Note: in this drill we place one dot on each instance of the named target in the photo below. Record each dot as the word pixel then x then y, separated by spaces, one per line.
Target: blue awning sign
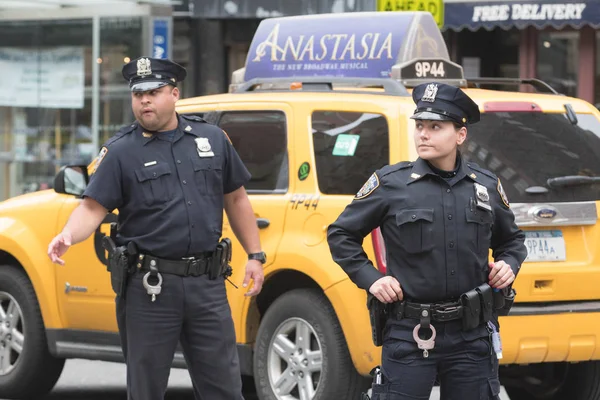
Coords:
pixel 541 14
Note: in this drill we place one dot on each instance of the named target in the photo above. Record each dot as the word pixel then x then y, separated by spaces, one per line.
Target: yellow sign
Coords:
pixel 435 7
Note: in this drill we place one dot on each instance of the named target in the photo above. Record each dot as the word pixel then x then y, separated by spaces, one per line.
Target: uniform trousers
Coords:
pixel 462 362
pixel 193 311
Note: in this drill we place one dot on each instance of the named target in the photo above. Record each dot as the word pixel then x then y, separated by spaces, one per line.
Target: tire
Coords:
pixel 324 357
pixel 31 372
pixel 580 383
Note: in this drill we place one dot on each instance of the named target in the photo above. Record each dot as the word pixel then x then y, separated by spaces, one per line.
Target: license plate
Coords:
pixel 545 246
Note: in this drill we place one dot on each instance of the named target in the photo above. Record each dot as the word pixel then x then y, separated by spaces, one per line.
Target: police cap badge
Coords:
pixel 442 102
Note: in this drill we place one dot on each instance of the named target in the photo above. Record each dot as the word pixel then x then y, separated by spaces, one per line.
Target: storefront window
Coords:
pixel 46 114
pixel 120 42
pixel 46 96
pixel 487 54
pixel 558 58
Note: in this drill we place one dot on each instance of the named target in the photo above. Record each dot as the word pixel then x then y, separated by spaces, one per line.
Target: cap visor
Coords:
pixel 145 86
pixel 430 116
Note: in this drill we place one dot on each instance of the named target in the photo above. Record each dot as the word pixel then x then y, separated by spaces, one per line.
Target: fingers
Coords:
pixel 494 268
pixel 53 251
pixel 257 286
pixel 506 280
pixel 387 290
pixel 247 277
pixel 503 278
pixel 396 286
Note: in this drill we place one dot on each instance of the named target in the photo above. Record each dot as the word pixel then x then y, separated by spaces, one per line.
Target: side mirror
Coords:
pixel 71 179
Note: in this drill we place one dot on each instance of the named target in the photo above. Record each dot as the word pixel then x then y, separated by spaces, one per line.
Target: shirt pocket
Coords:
pixel 154 182
pixel 479 223
pixel 416 231
pixel 208 174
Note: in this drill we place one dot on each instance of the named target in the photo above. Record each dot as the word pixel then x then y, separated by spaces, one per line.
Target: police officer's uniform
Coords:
pixel 168 188
pixel 438 227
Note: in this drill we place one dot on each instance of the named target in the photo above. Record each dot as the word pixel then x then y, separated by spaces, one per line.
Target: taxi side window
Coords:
pixel 260 138
pixel 349 147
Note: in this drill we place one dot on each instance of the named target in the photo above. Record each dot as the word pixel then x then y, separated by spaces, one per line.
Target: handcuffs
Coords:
pixel 152 290
pixel 425 344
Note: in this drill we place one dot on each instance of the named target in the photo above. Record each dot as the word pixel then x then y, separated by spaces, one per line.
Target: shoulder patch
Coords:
pixel 502 194
pixel 191 117
pixel 369 187
pixel 99 158
pixel 227 136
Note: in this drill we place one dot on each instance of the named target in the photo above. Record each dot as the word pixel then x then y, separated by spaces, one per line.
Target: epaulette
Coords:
pixel 485 172
pixel 191 117
pixel 388 169
pixel 120 133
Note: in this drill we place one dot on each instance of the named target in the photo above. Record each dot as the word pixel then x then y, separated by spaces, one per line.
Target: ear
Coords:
pixel 175 93
pixel 461 135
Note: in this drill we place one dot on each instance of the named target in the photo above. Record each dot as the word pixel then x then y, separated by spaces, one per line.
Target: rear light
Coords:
pixel 511 106
pixel 379 248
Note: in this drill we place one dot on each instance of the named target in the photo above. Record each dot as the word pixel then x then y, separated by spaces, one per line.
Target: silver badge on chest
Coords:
pixel 483 197
pixel 203 147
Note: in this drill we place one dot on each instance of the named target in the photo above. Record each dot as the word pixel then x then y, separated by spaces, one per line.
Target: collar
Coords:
pixel 183 126
pixel 422 168
pixel 187 127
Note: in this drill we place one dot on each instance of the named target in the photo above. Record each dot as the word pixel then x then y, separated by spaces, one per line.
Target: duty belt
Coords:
pixel 441 312
pixel 191 266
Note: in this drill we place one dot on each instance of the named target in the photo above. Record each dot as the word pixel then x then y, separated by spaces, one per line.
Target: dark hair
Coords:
pixel 457 126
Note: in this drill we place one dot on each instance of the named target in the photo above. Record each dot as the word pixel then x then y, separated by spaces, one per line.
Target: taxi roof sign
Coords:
pixel 406 46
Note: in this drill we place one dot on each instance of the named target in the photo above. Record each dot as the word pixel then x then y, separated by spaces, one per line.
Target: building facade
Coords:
pixel 64 95
pixel 552 40
pixel 62 92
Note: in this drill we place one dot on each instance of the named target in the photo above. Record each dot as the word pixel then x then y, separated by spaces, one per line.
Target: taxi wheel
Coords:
pixel 27 370
pixel 301 352
pixel 578 382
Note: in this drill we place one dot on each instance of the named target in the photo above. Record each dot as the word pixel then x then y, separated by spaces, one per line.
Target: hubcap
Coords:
pixel 11 333
pixel 295 361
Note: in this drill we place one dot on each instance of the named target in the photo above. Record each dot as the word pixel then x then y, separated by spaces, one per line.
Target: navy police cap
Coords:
pixel 147 73
pixel 442 102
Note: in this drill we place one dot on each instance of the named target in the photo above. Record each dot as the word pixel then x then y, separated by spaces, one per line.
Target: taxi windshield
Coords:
pixel 526 149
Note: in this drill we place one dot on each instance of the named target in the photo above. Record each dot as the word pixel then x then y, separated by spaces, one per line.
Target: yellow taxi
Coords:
pixel 323 101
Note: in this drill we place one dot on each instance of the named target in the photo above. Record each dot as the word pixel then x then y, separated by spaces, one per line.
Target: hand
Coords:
pixel 387 289
pixel 59 246
pixel 501 275
pixel 254 271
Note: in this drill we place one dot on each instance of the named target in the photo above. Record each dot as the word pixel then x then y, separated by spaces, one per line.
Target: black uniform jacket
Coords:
pixel 437 231
pixel 169 191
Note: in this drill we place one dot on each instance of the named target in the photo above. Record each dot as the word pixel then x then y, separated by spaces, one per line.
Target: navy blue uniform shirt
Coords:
pixel 437 231
pixel 168 191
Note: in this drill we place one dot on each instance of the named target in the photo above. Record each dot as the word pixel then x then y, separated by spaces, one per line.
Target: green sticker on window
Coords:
pixel 345 145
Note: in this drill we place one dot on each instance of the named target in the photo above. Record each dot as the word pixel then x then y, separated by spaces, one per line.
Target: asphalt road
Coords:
pixel 95 380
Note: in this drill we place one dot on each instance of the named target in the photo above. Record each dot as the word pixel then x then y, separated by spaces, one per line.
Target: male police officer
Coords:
pixel 439 216
pixel 170 176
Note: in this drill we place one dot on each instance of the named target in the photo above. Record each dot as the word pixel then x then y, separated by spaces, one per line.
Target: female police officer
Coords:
pixel 439 216
pixel 170 176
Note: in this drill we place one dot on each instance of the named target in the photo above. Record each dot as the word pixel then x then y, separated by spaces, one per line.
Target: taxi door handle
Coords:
pixel 262 223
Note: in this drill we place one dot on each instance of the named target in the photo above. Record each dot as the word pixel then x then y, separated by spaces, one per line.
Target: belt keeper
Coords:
pixel 400 310
pixel 153 269
pixel 425 316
